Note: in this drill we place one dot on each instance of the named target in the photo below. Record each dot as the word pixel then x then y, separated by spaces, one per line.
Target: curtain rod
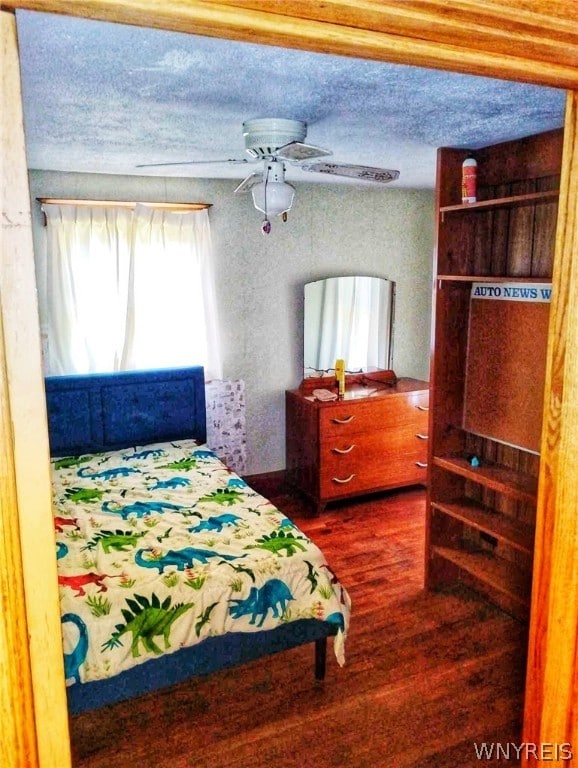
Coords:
pixel 125 204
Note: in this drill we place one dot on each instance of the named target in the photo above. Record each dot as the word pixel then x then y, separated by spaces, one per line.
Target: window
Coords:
pixel 129 289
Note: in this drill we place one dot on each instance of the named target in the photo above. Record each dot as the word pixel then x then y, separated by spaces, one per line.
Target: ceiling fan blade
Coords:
pixel 231 161
pixel 248 182
pixel 362 172
pixel 297 151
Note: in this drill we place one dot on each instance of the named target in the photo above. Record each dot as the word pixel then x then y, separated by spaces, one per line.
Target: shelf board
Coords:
pixel 497 574
pixel 496 477
pixel 502 202
pixel 493 279
pixel 516 534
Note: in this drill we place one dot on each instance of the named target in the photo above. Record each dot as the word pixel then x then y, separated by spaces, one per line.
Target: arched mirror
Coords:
pixel 349 318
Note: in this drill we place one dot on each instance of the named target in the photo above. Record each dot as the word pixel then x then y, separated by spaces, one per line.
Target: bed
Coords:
pixel 169 564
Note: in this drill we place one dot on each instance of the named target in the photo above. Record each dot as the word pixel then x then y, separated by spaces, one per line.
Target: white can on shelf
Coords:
pixel 469 180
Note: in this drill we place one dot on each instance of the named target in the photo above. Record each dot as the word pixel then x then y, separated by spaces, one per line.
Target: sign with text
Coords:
pixel 506 361
pixel 539 292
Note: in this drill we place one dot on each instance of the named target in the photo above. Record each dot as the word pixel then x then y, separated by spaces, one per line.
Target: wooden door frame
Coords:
pixel 534 42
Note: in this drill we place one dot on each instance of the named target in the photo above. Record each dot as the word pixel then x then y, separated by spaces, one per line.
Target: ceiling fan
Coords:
pixel 275 142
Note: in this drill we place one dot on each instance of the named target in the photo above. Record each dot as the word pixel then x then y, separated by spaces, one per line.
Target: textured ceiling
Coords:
pixel 104 98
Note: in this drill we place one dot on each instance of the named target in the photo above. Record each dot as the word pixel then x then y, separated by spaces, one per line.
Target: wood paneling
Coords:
pixel 16 713
pixel 528 158
pixel 551 710
pixel 495 39
pixel 505 371
pixel 483 26
pixel 26 442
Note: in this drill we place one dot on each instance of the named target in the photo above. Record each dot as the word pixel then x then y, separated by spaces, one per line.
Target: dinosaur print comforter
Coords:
pixel 162 546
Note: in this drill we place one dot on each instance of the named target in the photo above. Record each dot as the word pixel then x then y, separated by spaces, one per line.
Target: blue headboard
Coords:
pixel 99 412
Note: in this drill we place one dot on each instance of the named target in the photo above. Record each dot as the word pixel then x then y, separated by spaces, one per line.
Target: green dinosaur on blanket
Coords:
pixel 71 461
pixel 278 541
pixel 180 464
pixel 147 620
pixel 204 618
pixel 119 541
pixel 223 496
pixel 83 495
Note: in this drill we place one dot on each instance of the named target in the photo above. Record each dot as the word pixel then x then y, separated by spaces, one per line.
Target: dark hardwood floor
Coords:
pixel 427 678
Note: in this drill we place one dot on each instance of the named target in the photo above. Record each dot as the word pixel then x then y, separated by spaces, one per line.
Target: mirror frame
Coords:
pixel 310 371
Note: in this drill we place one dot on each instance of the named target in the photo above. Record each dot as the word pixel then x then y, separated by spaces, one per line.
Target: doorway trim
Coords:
pixel 488 37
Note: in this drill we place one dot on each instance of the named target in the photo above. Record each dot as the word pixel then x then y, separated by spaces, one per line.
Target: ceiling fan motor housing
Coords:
pixel 263 136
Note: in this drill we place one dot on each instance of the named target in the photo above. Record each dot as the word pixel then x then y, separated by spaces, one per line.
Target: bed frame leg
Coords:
pixel 320 657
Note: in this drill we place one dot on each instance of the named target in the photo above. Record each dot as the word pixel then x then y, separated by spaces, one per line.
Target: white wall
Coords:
pixel 332 230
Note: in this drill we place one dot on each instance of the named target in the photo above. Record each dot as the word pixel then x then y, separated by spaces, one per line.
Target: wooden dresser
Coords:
pixel 372 439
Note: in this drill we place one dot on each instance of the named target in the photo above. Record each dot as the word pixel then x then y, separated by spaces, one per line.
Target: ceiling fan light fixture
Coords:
pixel 273 197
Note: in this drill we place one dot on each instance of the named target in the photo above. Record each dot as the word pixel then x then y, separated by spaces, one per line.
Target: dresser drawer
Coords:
pixel 371 447
pixel 372 460
pixel 403 469
pixel 400 411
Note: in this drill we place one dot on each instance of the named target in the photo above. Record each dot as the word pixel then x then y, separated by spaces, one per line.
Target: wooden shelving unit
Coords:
pixel 508 481
pixel 491 575
pixel 490 279
pixel 482 487
pixel 514 533
pixel 503 202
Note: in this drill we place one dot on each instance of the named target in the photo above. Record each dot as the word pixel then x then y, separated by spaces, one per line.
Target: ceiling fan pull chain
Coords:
pixel 266 225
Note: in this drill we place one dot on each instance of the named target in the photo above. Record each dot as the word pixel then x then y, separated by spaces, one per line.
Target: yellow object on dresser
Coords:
pixel 340 376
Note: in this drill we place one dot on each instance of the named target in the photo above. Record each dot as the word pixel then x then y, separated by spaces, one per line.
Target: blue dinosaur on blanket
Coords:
pixel 140 508
pixel 74 660
pixel 215 523
pixel 139 455
pixel 273 595
pixel 170 484
pixel 107 474
pixel 181 558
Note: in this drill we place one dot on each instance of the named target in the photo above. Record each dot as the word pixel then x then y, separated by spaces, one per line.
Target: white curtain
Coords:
pixel 129 290
pixel 348 318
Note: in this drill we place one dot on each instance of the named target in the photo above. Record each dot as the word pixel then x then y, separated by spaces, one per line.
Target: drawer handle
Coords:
pixel 344 450
pixel 422 407
pixel 344 480
pixel 422 437
pixel 346 420
pixel 422 464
